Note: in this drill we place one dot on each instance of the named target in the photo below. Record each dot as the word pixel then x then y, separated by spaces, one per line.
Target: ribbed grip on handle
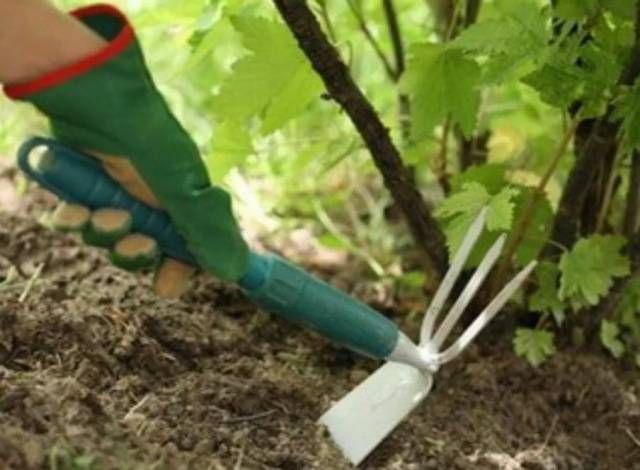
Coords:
pixel 300 297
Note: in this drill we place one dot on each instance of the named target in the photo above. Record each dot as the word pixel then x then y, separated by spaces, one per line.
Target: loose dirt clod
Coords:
pixel 95 372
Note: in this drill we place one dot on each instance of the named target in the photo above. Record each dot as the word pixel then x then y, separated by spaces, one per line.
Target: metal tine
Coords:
pixel 487 263
pixel 485 316
pixel 451 276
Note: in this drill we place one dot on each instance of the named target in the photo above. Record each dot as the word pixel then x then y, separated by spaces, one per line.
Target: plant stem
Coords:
pixel 404 106
pixel 395 35
pixel 517 235
pixel 632 213
pixel 608 193
pixel 324 13
pixel 362 24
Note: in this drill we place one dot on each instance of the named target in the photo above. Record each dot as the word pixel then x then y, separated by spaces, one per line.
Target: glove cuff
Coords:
pixel 105 20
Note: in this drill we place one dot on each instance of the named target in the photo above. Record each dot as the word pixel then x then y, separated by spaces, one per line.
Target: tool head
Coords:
pixel 366 415
pixel 372 410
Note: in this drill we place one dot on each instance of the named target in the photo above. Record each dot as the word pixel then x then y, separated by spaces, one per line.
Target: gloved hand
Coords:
pixel 107 105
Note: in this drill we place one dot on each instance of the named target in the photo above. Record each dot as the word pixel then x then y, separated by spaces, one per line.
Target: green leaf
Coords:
pixel 500 215
pixel 575 10
pixel 491 175
pixel 230 147
pixel 275 81
pixel 609 335
pixel 628 110
pixel 471 198
pixel 459 211
pixel 442 82
pixel 623 8
pixel 546 298
pixel 578 10
pixel 589 269
pixel 534 345
pixel 516 36
pixel 559 84
pixel 515 31
pixel 333 242
pixel 412 279
pixel 577 72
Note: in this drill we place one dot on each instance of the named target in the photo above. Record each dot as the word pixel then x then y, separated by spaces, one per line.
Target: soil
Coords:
pixel 97 373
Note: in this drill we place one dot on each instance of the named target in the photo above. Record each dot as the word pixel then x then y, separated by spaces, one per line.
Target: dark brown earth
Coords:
pixel 96 373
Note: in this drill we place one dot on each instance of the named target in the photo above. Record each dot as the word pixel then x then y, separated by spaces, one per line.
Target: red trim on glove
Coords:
pixel 117 45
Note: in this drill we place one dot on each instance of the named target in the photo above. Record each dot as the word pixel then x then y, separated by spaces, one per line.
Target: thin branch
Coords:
pixel 521 226
pixel 397 178
pixel 324 14
pixel 362 24
pixel 632 213
pixel 609 192
pixel 404 106
pixel 473 10
pixel 599 143
pixel 395 35
pixel 444 13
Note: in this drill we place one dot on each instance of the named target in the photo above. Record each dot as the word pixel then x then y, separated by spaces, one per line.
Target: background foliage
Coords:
pixel 498 110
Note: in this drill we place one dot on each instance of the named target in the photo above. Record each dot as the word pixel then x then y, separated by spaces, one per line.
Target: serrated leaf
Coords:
pixel 500 215
pixel 546 298
pixel 517 35
pixel 442 82
pixel 517 29
pixel 231 145
pixel 534 345
pixel 577 72
pixel 628 110
pixel 609 335
pixel 490 175
pixel 589 269
pixel 275 80
pixel 471 198
pixel 460 210
pixel 559 85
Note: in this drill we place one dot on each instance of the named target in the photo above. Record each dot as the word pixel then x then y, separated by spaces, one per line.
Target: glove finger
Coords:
pixel 172 279
pixel 107 226
pixel 69 217
pixel 135 252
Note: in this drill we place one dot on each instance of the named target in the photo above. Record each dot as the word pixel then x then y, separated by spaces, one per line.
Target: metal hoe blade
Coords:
pixel 372 410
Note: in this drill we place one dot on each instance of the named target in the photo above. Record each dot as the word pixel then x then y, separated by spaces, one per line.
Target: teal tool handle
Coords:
pixel 271 282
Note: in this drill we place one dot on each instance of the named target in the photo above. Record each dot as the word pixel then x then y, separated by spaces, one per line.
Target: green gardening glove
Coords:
pixel 107 105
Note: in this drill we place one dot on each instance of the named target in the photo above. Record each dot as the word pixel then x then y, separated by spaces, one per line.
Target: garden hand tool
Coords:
pixel 372 410
pixel 108 105
pixel 270 281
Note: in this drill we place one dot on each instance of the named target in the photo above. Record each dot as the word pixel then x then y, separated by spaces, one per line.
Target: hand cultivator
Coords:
pixel 366 415
pixel 362 419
